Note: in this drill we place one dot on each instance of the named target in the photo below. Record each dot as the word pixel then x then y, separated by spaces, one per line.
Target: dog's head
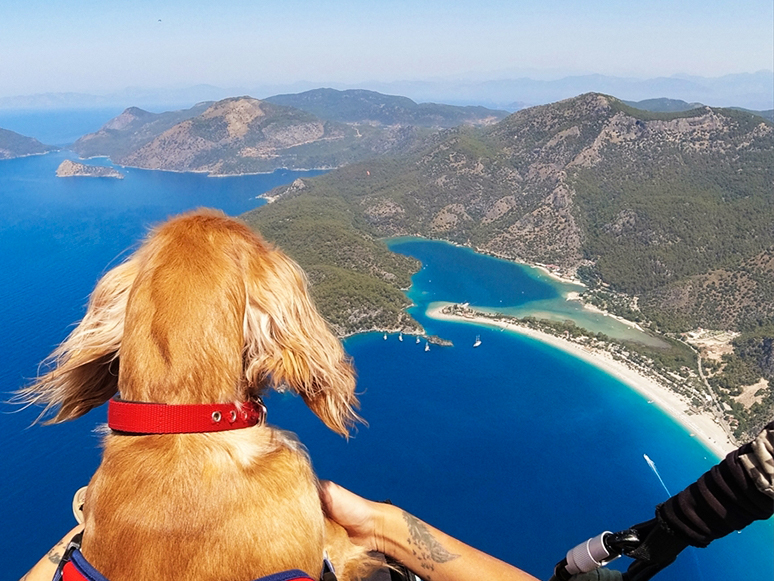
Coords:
pixel 205 311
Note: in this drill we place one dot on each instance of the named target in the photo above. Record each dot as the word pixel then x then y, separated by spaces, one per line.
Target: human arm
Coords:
pixel 430 553
pixel 45 568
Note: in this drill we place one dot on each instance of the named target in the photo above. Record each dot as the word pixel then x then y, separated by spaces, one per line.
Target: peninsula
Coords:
pixel 13 145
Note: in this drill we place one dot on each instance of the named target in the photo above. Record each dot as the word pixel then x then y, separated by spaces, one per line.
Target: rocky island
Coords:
pixel 68 169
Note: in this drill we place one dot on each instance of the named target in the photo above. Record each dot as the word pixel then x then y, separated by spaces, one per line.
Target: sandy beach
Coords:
pixel 700 426
pixel 551 274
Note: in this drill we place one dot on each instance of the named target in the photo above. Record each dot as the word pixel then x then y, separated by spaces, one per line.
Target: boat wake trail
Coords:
pixel 652 465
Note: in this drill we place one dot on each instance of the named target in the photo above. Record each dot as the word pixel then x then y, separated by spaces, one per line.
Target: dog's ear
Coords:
pixel 289 343
pixel 83 370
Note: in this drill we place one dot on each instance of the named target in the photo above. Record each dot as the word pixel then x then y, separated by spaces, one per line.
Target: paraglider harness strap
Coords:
pixel 75 567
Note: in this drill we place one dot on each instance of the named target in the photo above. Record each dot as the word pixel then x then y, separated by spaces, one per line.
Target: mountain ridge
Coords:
pixel 666 216
pixel 13 145
pixel 240 135
pixel 498 90
pixel 510 189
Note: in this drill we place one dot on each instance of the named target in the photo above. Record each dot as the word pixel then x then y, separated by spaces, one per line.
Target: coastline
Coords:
pixel 700 426
pixel 208 173
pixel 551 274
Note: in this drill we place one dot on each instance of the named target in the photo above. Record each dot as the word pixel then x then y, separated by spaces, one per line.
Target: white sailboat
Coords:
pixel 417 339
pixel 400 337
pixel 427 346
pixel 477 342
pixel 385 336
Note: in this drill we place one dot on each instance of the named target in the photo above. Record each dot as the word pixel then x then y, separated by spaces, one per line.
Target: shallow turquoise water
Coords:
pixel 516 290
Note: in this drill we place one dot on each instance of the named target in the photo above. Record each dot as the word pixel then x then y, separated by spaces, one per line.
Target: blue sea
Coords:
pixel 515 447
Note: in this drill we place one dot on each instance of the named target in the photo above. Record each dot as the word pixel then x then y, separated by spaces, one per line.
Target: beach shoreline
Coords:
pixel 554 275
pixel 700 426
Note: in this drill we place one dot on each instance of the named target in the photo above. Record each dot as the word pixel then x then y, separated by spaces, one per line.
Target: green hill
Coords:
pixel 663 105
pixel 356 281
pixel 767 114
pixel 670 207
pixel 361 106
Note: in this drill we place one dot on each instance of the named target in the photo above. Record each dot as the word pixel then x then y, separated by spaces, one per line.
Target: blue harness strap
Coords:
pixel 292 575
pixel 77 568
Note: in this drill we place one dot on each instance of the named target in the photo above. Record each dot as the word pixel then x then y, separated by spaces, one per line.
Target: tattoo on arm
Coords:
pixel 425 546
pixel 56 553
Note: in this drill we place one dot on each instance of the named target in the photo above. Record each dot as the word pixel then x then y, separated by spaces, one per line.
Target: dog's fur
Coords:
pixel 205 312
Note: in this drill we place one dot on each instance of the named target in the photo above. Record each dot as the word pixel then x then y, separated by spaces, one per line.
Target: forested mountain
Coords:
pixel 14 145
pixel 361 106
pixel 673 208
pixel 667 216
pixel 356 281
pixel 240 135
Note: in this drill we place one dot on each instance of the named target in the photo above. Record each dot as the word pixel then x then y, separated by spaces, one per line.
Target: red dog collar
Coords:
pixel 159 418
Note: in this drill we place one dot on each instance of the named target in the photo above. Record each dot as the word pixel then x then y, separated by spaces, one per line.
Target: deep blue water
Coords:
pixel 515 447
pixel 56 126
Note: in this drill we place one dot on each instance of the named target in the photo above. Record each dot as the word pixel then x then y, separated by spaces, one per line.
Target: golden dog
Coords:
pixel 205 312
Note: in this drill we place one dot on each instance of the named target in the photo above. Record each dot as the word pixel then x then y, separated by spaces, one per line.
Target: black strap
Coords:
pixel 327 573
pixel 72 546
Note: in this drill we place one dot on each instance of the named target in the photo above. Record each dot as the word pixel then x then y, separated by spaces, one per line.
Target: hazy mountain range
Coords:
pixel 748 90
pixel 361 106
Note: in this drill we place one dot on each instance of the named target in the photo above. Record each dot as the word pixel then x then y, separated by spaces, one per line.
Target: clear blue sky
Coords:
pixel 106 45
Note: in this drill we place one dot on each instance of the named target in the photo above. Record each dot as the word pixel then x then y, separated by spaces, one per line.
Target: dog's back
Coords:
pixel 188 507
pixel 204 312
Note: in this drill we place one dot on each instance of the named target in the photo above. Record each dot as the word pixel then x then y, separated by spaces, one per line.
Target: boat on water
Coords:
pixel 417 339
pixel 477 342
pixel 385 336
pixel 400 337
pixel 427 346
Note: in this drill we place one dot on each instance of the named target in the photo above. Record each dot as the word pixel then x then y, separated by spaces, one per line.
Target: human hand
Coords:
pixel 361 518
pixel 659 549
